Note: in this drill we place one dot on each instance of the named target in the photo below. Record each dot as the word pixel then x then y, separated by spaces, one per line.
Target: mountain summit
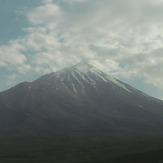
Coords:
pixel 77 76
pixel 78 113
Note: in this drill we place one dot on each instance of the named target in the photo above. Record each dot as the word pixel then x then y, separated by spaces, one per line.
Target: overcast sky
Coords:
pixel 121 37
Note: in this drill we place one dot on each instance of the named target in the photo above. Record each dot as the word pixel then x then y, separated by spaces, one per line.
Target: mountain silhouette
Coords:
pixel 79 114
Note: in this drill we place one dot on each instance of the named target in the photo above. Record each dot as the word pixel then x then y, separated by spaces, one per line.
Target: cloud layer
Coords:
pixel 120 37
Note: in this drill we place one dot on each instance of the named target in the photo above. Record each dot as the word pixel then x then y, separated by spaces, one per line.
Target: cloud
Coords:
pixel 120 37
pixel 49 13
pixel 11 55
pixel 11 79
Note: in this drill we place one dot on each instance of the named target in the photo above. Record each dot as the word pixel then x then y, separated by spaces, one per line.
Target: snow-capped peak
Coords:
pixel 83 67
pixel 85 73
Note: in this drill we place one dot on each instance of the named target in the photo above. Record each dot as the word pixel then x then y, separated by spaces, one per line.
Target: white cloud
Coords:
pixel 125 37
pixel 11 79
pixel 49 13
pixel 11 55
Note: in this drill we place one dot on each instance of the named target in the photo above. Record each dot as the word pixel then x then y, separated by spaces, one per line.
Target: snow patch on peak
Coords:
pixel 119 84
pixel 74 88
pixel 87 73
pixel 81 67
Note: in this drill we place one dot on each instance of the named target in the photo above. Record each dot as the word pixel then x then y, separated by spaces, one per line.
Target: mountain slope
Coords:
pixel 84 108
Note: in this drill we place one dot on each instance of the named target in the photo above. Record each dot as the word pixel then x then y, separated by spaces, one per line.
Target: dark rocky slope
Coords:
pixel 78 114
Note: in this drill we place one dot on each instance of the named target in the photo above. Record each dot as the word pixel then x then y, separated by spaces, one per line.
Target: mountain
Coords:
pixel 79 114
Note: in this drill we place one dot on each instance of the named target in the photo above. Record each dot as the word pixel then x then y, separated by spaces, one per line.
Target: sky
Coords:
pixel 123 38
